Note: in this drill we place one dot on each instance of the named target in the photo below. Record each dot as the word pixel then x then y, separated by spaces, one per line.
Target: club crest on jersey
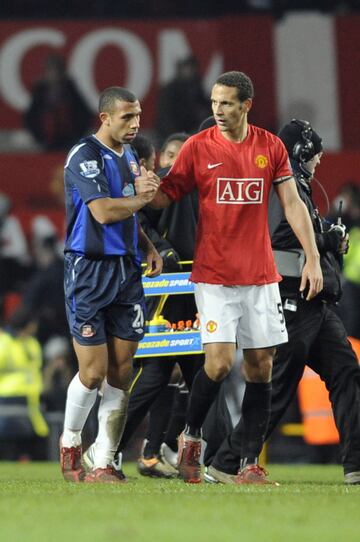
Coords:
pixel 87 331
pixel 89 169
pixel 211 326
pixel 134 167
pixel 128 191
pixel 261 161
pixel 239 191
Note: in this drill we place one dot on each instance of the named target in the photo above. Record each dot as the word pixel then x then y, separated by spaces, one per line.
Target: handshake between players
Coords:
pixel 147 184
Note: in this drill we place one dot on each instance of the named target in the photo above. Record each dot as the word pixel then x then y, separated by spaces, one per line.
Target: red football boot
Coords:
pixel 70 463
pixel 107 475
pixel 253 474
pixel 189 451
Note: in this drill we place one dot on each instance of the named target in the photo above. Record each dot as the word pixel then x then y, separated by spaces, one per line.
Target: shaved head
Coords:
pixel 111 95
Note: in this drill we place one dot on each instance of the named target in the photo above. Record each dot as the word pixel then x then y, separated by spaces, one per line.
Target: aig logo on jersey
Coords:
pixel 89 169
pixel 239 191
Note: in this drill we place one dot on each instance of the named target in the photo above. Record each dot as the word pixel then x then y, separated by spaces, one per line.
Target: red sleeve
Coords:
pixel 282 163
pixel 180 180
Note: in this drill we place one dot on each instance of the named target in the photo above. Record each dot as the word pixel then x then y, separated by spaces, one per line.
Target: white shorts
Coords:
pixel 251 316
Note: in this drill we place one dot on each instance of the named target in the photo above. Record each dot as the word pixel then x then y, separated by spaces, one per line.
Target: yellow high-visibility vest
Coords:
pixel 20 375
pixel 351 268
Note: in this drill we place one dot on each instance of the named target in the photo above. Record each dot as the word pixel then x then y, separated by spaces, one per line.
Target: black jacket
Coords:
pixel 283 238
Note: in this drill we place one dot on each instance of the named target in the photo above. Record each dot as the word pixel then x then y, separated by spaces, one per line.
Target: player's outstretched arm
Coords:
pixel 159 199
pixel 147 184
pixel 108 210
pixel 298 217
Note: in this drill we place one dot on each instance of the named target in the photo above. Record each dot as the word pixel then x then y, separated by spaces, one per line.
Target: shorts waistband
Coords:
pixel 99 258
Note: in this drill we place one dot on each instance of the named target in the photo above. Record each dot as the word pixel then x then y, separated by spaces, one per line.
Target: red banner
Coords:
pixel 136 55
pixel 33 180
pixel 348 51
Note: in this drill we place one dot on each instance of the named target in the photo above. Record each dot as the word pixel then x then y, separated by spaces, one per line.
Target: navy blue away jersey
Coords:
pixel 93 170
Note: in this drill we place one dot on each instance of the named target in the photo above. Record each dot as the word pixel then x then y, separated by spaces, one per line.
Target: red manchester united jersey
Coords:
pixel 233 180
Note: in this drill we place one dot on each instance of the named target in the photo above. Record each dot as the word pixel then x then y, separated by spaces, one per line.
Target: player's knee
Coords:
pixel 121 375
pixel 93 377
pixel 219 369
pixel 258 370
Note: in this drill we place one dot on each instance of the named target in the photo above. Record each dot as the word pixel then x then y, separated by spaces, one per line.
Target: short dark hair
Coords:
pixel 110 95
pixel 239 80
pixel 143 146
pixel 177 136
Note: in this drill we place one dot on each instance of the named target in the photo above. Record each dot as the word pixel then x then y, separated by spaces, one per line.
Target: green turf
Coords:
pixel 312 504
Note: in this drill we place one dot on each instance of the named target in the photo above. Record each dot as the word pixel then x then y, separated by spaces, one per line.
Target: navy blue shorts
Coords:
pixel 104 297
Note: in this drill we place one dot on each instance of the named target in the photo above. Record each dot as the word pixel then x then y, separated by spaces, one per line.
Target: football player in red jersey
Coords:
pixel 234 165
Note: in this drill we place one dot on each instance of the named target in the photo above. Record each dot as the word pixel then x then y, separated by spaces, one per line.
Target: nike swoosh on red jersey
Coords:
pixel 211 166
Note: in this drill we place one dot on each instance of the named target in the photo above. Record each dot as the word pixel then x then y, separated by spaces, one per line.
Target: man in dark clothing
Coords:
pixel 182 102
pixel 172 230
pixel 173 233
pixel 317 337
pixel 44 292
pixel 57 115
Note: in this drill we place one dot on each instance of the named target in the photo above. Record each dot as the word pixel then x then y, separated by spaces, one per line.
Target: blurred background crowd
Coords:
pixel 304 58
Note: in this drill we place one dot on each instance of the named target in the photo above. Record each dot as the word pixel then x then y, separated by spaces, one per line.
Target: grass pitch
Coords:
pixel 312 504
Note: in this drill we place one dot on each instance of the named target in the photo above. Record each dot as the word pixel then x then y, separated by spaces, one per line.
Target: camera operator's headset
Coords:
pixel 303 150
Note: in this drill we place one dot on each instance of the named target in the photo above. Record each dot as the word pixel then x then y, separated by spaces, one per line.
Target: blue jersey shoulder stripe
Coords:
pixel 73 151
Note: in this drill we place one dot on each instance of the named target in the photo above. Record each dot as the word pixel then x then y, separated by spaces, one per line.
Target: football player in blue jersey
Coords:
pixel 103 289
